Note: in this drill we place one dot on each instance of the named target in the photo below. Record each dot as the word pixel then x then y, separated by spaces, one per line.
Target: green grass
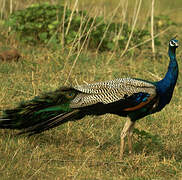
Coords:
pixel 89 148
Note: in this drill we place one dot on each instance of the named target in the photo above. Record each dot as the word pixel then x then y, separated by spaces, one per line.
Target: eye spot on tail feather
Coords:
pixel 70 95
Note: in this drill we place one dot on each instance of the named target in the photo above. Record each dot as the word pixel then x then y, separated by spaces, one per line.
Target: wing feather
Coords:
pixel 110 91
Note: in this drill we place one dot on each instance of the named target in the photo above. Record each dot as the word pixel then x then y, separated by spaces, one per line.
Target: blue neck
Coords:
pixel 166 86
pixel 172 73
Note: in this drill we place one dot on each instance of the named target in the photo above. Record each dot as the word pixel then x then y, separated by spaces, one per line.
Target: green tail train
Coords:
pixel 42 113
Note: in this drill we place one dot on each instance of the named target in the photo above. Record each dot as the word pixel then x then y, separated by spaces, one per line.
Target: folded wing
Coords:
pixel 130 92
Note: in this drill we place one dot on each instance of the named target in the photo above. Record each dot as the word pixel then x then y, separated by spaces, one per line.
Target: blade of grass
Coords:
pixel 152 29
pixel 132 30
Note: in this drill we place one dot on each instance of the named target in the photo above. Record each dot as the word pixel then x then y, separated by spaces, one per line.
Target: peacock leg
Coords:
pixel 130 135
pixel 127 128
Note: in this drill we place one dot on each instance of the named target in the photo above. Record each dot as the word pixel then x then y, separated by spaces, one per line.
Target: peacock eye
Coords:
pixel 70 95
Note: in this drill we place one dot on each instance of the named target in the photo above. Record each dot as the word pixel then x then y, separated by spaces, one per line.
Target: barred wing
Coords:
pixel 112 91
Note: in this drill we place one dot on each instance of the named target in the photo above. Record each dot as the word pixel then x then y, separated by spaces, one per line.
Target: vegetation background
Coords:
pixel 89 148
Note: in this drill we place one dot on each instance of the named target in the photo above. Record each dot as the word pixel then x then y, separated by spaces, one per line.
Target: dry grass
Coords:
pixel 89 148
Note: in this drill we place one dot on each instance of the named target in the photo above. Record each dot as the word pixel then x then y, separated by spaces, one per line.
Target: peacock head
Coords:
pixel 173 43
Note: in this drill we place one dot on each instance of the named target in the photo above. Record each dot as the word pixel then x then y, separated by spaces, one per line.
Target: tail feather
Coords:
pixel 5 123
pixel 51 123
pixel 42 113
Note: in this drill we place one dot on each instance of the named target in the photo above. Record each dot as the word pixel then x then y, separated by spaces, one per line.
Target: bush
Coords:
pixel 43 23
pixel 36 23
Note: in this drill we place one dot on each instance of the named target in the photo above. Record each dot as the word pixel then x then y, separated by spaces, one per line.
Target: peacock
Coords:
pixel 127 97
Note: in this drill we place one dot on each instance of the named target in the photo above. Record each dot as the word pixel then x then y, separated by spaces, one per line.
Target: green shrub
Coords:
pixel 43 23
pixel 162 22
